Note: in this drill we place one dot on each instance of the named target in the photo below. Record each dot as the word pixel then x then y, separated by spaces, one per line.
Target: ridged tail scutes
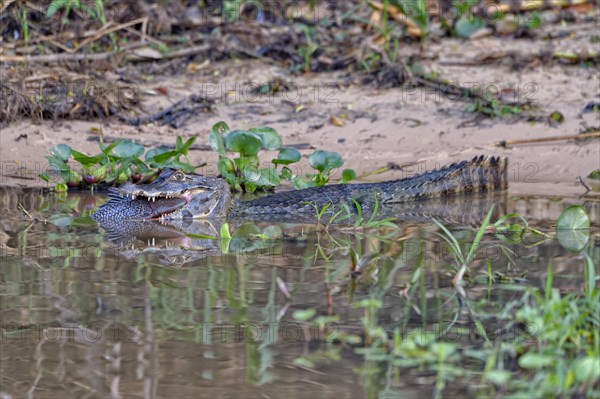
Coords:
pixel 481 174
pixel 489 173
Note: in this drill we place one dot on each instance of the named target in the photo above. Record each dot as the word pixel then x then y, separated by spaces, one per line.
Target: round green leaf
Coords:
pixel 225 165
pixel 347 175
pixel 216 142
pixel 573 240
pixel 573 218
pixel 128 148
pixel 221 128
pixel 246 143
pixel 287 155
pixel 61 151
pixel 325 161
pixel 286 173
pixel 262 177
pixel 269 136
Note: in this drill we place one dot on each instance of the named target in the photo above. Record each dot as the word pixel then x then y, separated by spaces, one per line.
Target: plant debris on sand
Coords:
pixel 65 43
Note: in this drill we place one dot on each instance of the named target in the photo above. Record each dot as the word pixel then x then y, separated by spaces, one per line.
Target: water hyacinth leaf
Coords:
pixel 325 161
pixel 573 240
pixel 299 183
pixel 244 162
pixel 348 175
pixel 87 160
pixel 61 151
pixel 215 140
pixel 262 176
pixel 269 136
pixel 304 315
pixel 225 166
pixel 573 218
pixel 220 128
pixel 287 155
pixel 246 143
pixel 128 148
pixel 60 166
pixel 286 173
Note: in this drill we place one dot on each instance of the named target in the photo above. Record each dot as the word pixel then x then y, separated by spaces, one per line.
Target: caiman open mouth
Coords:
pixel 164 204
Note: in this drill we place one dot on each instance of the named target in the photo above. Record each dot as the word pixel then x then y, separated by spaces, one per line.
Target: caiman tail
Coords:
pixel 481 174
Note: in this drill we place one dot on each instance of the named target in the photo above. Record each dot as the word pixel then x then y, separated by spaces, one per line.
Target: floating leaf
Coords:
pixel 221 128
pixel 287 155
pixel 347 175
pixel 246 143
pixel 269 136
pixel 61 151
pixel 262 176
pixel 216 142
pixel 573 218
pixel 325 161
pixel 128 148
pixel 225 165
pixel 286 173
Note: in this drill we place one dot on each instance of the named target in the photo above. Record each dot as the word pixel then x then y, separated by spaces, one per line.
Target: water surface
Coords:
pixel 175 317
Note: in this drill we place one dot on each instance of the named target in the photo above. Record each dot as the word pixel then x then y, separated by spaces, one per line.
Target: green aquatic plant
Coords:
pixel 122 161
pixel 243 172
pixel 116 163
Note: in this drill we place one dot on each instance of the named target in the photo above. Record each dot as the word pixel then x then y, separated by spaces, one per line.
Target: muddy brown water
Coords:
pixel 81 319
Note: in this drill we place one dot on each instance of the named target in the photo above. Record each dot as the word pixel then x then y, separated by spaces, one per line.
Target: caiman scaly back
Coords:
pixel 176 195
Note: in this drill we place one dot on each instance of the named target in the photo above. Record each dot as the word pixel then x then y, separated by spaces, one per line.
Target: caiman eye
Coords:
pixel 178 176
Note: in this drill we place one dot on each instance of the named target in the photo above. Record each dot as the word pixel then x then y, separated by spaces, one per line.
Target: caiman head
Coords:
pixel 178 195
